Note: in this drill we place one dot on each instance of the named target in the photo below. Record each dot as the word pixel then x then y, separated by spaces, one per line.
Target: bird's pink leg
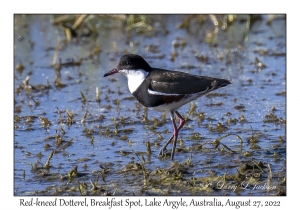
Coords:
pixel 182 121
pixel 176 131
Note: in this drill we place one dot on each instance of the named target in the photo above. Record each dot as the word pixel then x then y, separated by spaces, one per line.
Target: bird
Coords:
pixel 164 90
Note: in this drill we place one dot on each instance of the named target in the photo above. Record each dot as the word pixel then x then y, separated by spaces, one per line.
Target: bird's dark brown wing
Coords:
pixel 175 82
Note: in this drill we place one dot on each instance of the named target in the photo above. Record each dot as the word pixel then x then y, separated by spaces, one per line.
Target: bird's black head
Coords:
pixel 130 62
pixel 133 62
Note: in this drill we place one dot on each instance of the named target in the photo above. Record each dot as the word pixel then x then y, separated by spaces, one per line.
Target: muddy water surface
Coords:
pixel 69 140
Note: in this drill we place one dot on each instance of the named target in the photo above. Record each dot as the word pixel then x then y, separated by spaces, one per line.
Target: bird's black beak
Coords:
pixel 113 71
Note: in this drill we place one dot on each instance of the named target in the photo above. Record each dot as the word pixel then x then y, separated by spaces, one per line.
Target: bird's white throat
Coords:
pixel 134 77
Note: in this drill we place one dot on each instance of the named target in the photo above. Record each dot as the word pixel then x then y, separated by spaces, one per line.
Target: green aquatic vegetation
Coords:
pixel 88 132
pixel 85 166
pixel 73 172
pixel 174 54
pixel 126 130
pixel 82 188
pixel 27 87
pixel 80 160
pixel 201 163
pixel 200 117
pixel 160 137
pixel 240 107
pixel 67 144
pixel 195 136
pixel 63 132
pixel 47 164
pixel 70 120
pixel 36 102
pixel 39 154
pixel 58 83
pixel 45 122
pixel 47 146
pixel 145 116
pixel 138 22
pixel 94 186
pixel 186 22
pixel 124 137
pixel 116 129
pixel 58 140
pixel 98 94
pixel 192 110
pixel 232 120
pixel 83 99
pixel 30 119
pixel 242 119
pixel 220 128
pixel 92 140
pixel 60 117
pixel 247 154
pixel 148 145
pixel 20 67
pixel 271 118
pixel 282 93
pixel 217 142
pixel 199 147
pixel 259 64
pixel 84 117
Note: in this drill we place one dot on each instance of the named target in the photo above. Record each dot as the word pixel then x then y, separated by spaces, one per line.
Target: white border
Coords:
pixel 138 7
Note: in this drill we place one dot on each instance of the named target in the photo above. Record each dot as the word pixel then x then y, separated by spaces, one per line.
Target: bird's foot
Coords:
pixel 161 153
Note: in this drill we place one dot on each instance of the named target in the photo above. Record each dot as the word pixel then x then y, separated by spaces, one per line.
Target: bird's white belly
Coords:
pixel 176 105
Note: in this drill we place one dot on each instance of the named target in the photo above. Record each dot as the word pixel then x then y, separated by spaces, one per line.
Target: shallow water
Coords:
pixel 108 146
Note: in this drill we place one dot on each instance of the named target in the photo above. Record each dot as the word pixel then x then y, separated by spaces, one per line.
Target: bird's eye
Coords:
pixel 128 63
